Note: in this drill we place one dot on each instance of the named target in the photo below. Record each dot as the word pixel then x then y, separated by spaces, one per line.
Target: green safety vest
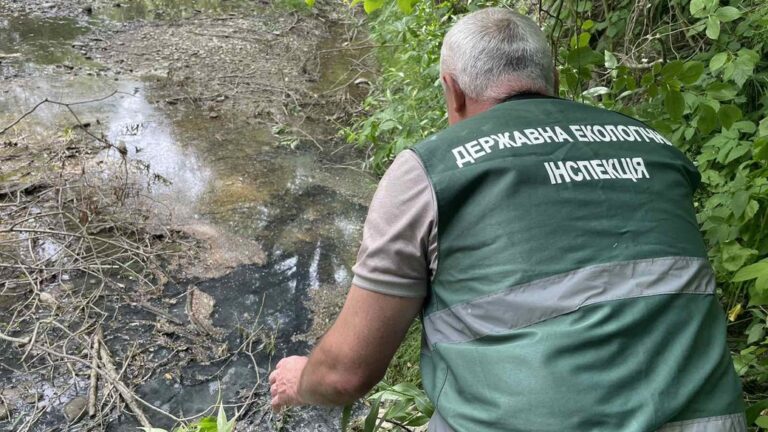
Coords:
pixel 573 291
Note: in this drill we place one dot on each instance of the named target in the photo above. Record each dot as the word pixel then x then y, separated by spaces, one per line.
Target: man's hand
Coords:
pixel 284 382
pixel 351 357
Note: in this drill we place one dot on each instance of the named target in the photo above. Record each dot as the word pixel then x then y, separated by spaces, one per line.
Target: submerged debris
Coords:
pixel 199 309
pixel 75 409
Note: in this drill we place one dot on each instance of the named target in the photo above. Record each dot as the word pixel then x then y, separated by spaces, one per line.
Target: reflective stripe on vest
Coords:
pixel 726 423
pixel 550 297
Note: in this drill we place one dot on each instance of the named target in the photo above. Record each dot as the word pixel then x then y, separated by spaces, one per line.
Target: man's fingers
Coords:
pixel 283 382
pixel 277 406
pixel 273 375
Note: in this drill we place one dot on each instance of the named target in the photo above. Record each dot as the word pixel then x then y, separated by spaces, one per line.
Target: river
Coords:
pixel 232 109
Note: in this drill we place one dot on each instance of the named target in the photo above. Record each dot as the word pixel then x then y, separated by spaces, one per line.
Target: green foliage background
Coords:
pixel 696 70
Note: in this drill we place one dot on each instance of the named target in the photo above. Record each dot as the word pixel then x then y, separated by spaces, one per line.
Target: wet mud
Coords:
pixel 227 112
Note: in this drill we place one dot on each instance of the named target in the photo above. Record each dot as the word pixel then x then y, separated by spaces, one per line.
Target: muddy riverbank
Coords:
pixel 181 209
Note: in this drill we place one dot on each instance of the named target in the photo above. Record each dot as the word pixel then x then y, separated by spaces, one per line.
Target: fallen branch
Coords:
pixel 64 104
pixel 20 341
pixel 93 390
pixel 125 392
pixel 109 372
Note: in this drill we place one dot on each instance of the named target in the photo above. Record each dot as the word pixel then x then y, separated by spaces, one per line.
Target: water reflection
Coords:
pixel 23 93
pixel 38 41
pixel 169 9
pixel 148 135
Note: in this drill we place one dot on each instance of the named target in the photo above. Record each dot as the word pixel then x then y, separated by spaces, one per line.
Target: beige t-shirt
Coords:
pixel 398 254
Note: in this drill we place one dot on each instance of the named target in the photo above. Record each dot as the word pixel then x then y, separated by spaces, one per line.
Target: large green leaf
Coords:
pixel 727 13
pixel 728 115
pixel 674 103
pixel 222 424
pixel 371 6
pixel 206 424
pixel 713 27
pixel 762 422
pixel 372 419
pixel 700 8
pixel 346 417
pixel 424 405
pixel 739 149
pixel 706 121
pixel 758 293
pixel 672 69
pixel 745 126
pixel 753 412
pixel 407 389
pixel 691 72
pixel 722 91
pixel 755 332
pixel 742 67
pixel 582 40
pixel 739 202
pixel 406 6
pixel 734 255
pixel 718 61
pixel 752 271
pixel 583 56
pixel 760 149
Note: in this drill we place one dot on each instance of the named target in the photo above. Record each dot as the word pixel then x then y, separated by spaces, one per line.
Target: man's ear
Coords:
pixel 455 99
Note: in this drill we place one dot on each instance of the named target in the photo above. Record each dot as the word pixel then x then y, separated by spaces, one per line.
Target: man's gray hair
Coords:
pixel 494 52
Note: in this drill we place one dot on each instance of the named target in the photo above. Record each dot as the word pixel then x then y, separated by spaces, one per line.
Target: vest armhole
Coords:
pixel 436 227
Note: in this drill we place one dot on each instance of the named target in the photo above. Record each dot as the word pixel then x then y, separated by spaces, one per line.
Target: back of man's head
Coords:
pixel 496 52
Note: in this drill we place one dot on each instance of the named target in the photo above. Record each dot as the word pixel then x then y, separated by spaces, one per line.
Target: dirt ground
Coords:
pixel 123 306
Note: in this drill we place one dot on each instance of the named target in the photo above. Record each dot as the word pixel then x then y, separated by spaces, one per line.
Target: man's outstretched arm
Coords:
pixel 352 356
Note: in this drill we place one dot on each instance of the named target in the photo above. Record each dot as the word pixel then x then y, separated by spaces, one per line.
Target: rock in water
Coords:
pixel 75 409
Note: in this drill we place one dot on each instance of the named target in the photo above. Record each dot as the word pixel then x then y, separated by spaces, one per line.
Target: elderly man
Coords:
pixel 553 251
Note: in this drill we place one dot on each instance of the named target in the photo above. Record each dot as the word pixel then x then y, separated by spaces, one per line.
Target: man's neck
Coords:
pixel 525 95
pixel 474 107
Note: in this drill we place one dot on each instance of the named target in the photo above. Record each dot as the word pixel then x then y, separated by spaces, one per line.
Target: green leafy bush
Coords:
pixel 699 77
pixel 205 424
pixel 406 105
pixel 695 70
pixel 402 405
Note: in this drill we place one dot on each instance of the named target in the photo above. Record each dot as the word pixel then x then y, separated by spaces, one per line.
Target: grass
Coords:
pixel 404 367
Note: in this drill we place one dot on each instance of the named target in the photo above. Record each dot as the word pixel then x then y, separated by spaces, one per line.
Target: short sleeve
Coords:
pixel 397 254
